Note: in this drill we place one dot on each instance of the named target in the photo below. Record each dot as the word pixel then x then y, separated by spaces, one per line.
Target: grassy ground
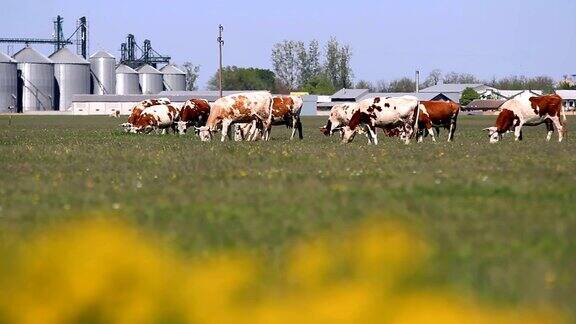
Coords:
pixel 502 216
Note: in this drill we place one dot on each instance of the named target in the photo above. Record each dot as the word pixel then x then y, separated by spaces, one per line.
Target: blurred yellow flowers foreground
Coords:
pixel 108 272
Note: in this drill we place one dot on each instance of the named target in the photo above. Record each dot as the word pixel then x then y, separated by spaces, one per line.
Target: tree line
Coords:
pixel 316 69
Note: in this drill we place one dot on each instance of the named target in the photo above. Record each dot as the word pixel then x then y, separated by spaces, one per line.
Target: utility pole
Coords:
pixel 417 81
pixel 220 44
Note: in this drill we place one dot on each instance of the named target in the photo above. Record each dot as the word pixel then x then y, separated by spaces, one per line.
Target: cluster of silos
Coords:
pixel 8 84
pixel 151 80
pixel 127 81
pixel 71 75
pixel 35 80
pixel 103 66
pixel 174 78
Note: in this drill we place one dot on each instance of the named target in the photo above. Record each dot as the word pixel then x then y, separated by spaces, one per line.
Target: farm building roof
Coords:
pixel 567 94
pixel 6 59
pixel 349 94
pixel 455 87
pixel 30 55
pixel 65 56
pixel 171 69
pixel 101 54
pixel 420 95
pixel 125 69
pixel 480 104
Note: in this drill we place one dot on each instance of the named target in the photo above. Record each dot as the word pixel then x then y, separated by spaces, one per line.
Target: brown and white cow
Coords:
pixel 250 107
pixel 528 110
pixel 386 113
pixel 286 111
pixel 436 114
pixel 339 117
pixel 160 117
pixel 137 110
pixel 194 112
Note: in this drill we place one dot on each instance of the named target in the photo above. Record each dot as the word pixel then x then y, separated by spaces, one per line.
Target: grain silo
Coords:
pixel 174 78
pixel 36 80
pixel 8 84
pixel 103 66
pixel 72 74
pixel 127 81
pixel 151 81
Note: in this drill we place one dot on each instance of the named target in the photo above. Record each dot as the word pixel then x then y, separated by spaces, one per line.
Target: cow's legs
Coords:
pixel 452 130
pixel 372 135
pixel 252 134
pixel 299 125
pixel 559 127
pixel 518 132
pixel 550 128
pixel 225 129
pixel 294 122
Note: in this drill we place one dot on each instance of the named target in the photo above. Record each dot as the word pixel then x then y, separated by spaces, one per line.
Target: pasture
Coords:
pixel 502 216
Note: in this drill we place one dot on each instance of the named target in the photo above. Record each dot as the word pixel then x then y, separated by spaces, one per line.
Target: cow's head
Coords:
pixel 493 134
pixel 126 127
pixel 204 132
pixel 348 134
pixel 182 127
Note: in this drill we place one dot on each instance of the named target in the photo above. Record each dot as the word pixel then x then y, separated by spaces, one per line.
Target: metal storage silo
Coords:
pixel 151 81
pixel 174 78
pixel 127 81
pixel 8 84
pixel 103 66
pixel 35 80
pixel 72 75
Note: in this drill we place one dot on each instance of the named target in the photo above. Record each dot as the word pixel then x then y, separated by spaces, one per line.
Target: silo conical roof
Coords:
pixel 102 54
pixel 6 59
pixel 30 55
pixel 65 56
pixel 125 69
pixel 148 69
pixel 171 69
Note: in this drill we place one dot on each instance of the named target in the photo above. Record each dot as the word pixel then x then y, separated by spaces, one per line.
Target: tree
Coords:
pixel 468 95
pixel 308 62
pixel 433 78
pixel 461 78
pixel 363 84
pixel 332 65
pixel 515 82
pixel 319 85
pixel 235 78
pixel 285 62
pixel 192 72
pixel 344 69
pixel 565 85
pixel 381 86
pixel 402 85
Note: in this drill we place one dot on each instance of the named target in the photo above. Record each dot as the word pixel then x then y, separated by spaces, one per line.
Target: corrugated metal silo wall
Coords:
pixel 8 87
pixel 175 82
pixel 151 83
pixel 71 79
pixel 37 86
pixel 103 75
pixel 127 84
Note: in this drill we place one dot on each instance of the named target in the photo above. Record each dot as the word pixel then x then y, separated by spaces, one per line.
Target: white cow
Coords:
pixel 340 116
pixel 250 107
pixel 384 113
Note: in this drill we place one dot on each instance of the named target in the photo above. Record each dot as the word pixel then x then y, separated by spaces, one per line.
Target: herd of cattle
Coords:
pixel 251 116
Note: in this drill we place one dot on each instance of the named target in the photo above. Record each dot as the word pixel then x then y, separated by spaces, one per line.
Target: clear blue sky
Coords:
pixel 389 39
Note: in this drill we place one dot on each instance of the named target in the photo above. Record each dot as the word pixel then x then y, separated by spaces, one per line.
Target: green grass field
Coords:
pixel 502 217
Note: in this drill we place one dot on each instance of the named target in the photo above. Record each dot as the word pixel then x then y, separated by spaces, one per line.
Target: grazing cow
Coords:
pixel 527 110
pixel 195 112
pixel 386 113
pixel 250 107
pixel 436 114
pixel 340 116
pixel 137 110
pixel 156 117
pixel 286 111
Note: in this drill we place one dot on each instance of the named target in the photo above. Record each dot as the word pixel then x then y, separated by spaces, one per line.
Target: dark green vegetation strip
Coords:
pixel 503 216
